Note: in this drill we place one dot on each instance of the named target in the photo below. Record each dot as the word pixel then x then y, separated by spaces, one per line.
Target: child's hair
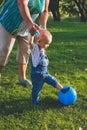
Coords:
pixel 46 36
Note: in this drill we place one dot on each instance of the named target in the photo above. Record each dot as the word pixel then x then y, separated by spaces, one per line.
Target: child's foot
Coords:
pixel 59 86
pixel 36 101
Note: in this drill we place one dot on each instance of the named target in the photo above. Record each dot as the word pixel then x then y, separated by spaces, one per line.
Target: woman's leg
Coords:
pixel 6 44
pixel 22 59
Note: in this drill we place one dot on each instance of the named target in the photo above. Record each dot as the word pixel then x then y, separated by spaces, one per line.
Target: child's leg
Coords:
pixel 53 82
pixel 59 86
pixel 37 83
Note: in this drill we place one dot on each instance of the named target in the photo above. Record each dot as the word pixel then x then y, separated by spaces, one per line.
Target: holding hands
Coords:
pixel 33 28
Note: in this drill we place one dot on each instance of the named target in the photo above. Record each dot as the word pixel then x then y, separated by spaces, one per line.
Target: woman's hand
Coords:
pixel 33 28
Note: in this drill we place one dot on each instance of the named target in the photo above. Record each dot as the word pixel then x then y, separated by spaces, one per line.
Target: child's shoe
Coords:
pixel 36 101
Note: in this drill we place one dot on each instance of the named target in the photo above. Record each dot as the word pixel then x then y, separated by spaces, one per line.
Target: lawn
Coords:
pixel 68 63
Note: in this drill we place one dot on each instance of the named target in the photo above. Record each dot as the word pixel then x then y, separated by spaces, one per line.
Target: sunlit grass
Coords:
pixel 68 63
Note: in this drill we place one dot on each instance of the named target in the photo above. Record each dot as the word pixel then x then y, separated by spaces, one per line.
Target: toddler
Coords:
pixel 39 66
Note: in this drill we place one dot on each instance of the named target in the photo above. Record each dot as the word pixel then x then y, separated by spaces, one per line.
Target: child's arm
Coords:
pixel 31 41
pixel 35 53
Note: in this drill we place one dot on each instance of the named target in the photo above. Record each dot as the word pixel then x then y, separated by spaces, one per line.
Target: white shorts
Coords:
pixel 6 44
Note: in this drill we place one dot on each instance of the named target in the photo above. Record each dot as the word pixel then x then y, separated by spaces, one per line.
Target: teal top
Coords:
pixel 11 19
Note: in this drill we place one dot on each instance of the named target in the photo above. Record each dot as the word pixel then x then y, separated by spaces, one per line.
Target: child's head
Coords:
pixel 44 39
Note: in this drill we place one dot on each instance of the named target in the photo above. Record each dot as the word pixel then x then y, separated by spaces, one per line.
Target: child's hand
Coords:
pixel 40 37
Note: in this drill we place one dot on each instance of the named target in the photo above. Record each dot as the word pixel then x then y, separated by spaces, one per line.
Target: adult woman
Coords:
pixel 16 21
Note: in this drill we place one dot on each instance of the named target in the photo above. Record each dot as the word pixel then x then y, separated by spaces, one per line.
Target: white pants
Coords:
pixel 6 44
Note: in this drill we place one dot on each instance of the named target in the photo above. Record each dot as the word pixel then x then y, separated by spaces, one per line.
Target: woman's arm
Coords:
pixel 25 13
pixel 44 15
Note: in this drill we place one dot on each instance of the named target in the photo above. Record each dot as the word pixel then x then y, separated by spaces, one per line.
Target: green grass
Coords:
pixel 68 61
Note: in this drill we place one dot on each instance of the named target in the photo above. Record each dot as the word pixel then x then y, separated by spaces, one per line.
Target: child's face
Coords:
pixel 44 39
pixel 43 44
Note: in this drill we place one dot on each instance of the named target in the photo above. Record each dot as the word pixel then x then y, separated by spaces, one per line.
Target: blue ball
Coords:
pixel 67 95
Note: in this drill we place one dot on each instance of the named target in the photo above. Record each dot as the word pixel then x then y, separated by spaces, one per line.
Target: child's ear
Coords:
pixel 38 41
pixel 37 38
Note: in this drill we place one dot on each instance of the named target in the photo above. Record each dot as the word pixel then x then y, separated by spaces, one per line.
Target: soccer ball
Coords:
pixel 67 95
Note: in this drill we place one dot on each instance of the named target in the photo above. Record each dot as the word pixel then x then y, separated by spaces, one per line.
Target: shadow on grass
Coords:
pixel 5 85
pixel 6 82
pixel 20 105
